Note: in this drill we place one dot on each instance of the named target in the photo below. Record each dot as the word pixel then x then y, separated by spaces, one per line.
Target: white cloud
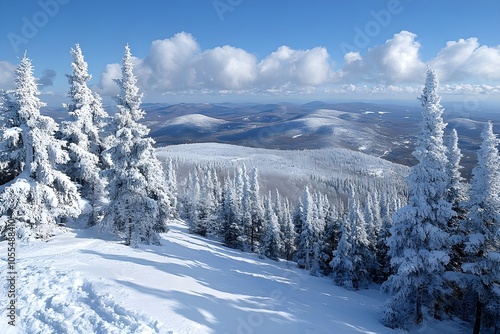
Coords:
pixel 7 72
pixel 297 67
pixel 396 61
pixel 226 67
pixel 169 63
pixel 178 65
pixel 465 59
pixel 106 85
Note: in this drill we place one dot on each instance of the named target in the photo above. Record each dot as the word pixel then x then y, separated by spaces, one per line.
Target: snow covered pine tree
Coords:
pixel 139 203
pixel 419 244
pixel 483 230
pixel 84 134
pixel 40 196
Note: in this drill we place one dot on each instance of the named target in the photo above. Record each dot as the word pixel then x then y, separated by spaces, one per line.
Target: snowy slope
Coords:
pixel 196 120
pixel 79 283
pixel 75 283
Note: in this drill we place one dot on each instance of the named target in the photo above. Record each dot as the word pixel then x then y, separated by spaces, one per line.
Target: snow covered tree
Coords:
pixel 288 232
pixel 9 140
pixel 354 257
pixel 457 196
pixel 195 209
pixel 272 243
pixel 331 237
pixel 171 179
pixel 138 206
pixel 419 244
pixel 457 190
pixel 483 227
pixel 256 230
pixel 306 240
pixel 85 137
pixel 341 263
pixel 382 255
pixel 41 196
pixel 231 229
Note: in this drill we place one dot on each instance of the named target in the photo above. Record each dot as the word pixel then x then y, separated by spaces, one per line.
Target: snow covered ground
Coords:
pixel 84 282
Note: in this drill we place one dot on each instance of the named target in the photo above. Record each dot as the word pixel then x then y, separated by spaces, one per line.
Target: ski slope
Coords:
pixel 82 281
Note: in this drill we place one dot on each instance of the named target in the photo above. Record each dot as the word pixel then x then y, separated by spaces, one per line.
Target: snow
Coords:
pixel 197 120
pixel 288 162
pixel 78 283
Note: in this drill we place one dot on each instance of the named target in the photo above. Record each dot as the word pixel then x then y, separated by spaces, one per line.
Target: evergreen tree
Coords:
pixel 456 190
pixel 272 243
pixel 362 254
pixel 171 180
pixel 342 264
pixel 483 227
pixel 84 136
pixel 331 238
pixel 41 196
pixel 10 163
pixel 255 235
pixel 288 232
pixel 231 228
pixel 419 244
pixel 382 255
pixel 306 240
pixel 457 196
pixel 138 202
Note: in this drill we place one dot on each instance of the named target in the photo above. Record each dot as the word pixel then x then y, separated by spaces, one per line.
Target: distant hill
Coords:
pixel 379 129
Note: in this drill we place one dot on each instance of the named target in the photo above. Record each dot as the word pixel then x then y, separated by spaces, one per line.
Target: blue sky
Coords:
pixel 260 49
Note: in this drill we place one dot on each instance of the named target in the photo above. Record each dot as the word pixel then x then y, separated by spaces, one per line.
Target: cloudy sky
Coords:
pixel 257 50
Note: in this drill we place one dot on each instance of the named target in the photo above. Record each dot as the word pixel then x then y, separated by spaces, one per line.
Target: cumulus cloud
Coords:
pixel 465 59
pixel 226 67
pixel 47 78
pixel 396 61
pixel 7 72
pixel 297 67
pixel 107 85
pixel 178 65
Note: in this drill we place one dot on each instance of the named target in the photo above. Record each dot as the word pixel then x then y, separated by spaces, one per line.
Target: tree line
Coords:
pixel 93 168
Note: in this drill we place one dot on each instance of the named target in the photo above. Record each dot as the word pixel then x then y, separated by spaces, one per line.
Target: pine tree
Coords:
pixel 341 263
pixel 362 254
pixel 331 237
pixel 171 180
pixel 10 164
pixel 483 227
pixel 382 255
pixel 419 244
pixel 272 243
pixel 288 232
pixel 231 228
pixel 457 196
pixel 318 230
pixel 256 231
pixel 40 196
pixel 84 134
pixel 305 239
pixel 456 190
pixel 138 202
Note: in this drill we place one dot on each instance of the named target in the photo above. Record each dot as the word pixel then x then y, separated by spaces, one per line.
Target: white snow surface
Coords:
pixel 196 120
pixel 82 281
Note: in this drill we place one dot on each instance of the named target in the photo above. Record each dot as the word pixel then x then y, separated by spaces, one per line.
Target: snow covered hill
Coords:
pixel 84 282
pixel 290 171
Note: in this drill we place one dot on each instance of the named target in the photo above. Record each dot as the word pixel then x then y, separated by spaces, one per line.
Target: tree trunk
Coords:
pixel 479 315
pixel 419 317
